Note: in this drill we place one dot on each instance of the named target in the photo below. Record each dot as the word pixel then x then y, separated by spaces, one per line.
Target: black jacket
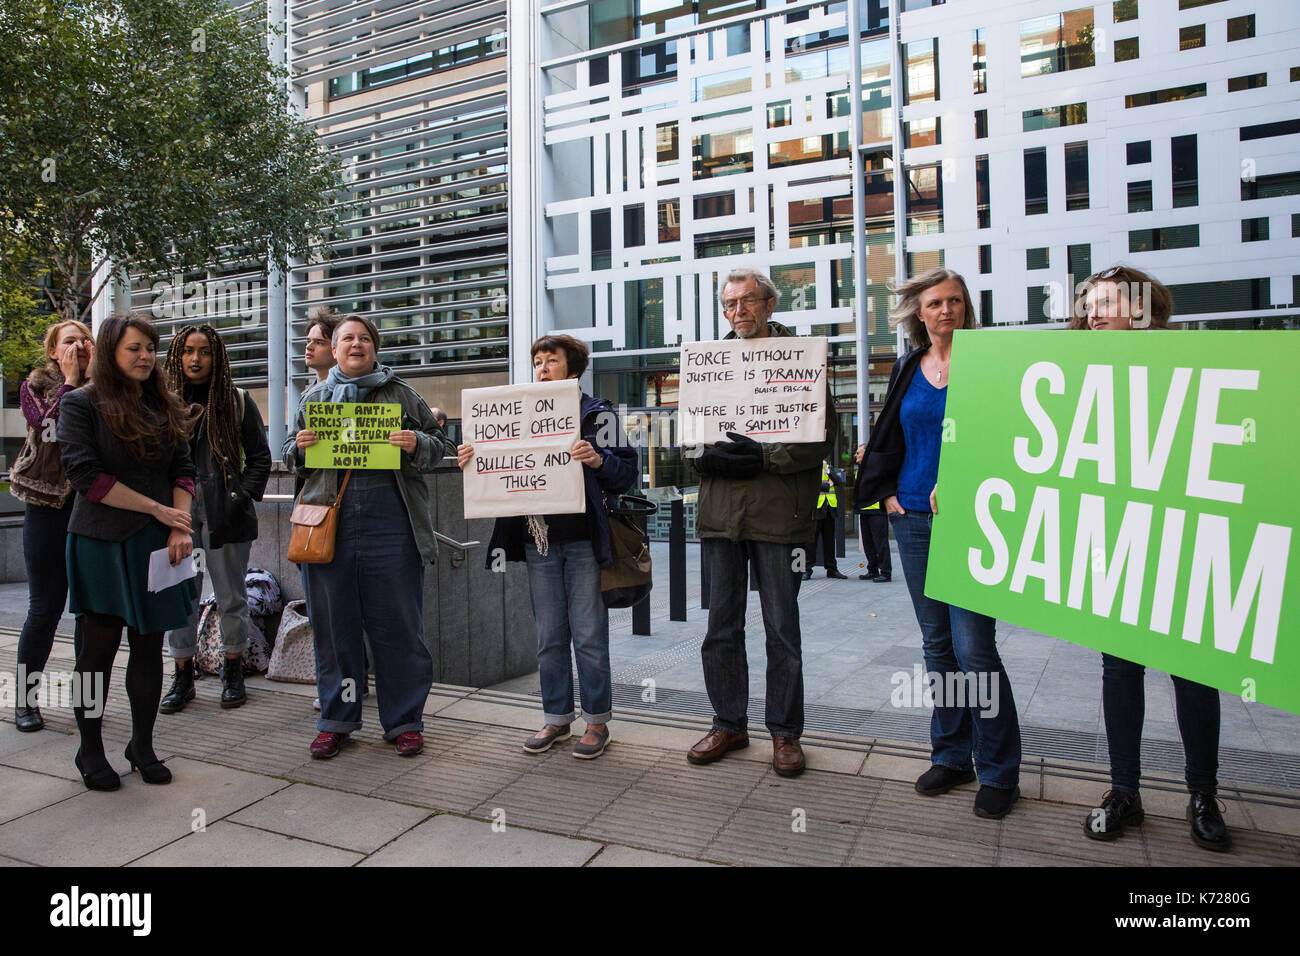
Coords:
pixel 228 510
pixel 89 450
pixel 878 476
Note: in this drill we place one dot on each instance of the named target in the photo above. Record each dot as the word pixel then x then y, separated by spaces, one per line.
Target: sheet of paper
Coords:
pixel 161 573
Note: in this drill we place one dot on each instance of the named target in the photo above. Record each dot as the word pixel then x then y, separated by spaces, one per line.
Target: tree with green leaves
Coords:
pixel 155 135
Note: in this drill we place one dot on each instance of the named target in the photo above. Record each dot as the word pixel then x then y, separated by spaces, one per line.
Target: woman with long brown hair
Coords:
pixel 39 482
pixel 125 445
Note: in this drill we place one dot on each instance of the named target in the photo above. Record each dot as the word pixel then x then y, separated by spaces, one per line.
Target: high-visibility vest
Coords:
pixel 827 497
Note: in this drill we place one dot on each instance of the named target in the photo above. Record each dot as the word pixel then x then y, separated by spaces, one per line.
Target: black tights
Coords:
pixel 101 635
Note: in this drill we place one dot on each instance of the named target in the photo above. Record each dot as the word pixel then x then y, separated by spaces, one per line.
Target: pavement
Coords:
pixel 246 793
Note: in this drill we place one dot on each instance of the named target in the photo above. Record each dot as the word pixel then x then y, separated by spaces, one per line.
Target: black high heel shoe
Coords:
pixel 150 773
pixel 105 778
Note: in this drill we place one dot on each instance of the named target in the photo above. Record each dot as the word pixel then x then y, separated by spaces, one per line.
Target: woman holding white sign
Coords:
pixel 974 711
pixel 1124 298
pixel 383 540
pixel 565 554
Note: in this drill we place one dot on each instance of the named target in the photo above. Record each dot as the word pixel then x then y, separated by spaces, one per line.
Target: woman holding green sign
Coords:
pixel 384 537
pixel 974 711
pixel 1124 298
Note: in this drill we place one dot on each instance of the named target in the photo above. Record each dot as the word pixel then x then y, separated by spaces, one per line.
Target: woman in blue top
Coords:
pixel 974 711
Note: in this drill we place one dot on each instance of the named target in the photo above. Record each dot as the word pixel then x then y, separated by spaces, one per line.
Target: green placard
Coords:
pixel 1133 492
pixel 353 435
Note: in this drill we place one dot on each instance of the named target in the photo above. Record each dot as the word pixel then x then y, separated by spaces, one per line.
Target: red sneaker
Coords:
pixel 409 743
pixel 326 745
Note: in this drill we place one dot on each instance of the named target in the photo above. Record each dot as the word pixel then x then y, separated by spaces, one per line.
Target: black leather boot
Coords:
pixel 232 683
pixel 182 690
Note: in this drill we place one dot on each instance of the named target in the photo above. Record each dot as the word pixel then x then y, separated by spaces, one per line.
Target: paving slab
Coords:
pixel 761 837
pixel 25 791
pixel 877 846
pixel 333 817
pixel 111 829
pixel 448 840
pixel 614 855
pixel 230 844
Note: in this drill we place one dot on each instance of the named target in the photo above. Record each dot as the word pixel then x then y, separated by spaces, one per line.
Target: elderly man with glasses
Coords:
pixel 756 507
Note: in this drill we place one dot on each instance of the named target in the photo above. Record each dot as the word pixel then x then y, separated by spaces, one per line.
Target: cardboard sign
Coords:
pixel 353 435
pixel 1133 492
pixel 522 436
pixel 771 389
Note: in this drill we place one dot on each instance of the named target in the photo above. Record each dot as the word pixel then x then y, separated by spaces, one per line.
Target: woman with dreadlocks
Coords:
pixel 233 463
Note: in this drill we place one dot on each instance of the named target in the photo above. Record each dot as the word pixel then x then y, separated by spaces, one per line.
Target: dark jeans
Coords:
pixel 1123 704
pixel 726 666
pixel 960 643
pixel 45 539
pixel 826 535
pixel 875 540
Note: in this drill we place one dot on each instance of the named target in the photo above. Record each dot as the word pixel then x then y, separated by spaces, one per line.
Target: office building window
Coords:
pixel 1037 258
pixel 1295 74
pixel 1168 237
pixel 1171 95
pixel 1038 304
pixel 983 215
pixel 921 71
pixel 1254 230
pixel 1295 225
pixel 1241 28
pixel 986 307
pixel 923 132
pixel 1138 153
pixel 1182 161
pixel 924 200
pixel 1079 259
pixel 1050 117
pixel 1191 38
pixel 1124 10
pixel 1126 49
pixel 1191 4
pixel 1252 82
pixel 1139 196
pixel 1267 130
pixel 1057 42
pixel 981 124
pixel 1076 176
pixel 986 260
pixel 1271 187
pixel 979 61
pixel 1036 181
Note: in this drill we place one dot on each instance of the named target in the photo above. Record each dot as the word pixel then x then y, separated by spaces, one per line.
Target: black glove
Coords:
pixel 740 458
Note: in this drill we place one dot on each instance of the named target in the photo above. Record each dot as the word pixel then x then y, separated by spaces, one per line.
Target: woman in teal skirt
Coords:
pixel 125 447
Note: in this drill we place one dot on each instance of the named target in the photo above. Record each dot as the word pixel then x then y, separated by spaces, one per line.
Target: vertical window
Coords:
pixel 1182 158
pixel 924 200
pixel 1191 38
pixel 1036 181
pixel 1076 176
pixel 1254 230
pixel 1126 49
pixel 986 260
pixel 981 124
pixel 986 307
pixel 1080 261
pixel 1037 258
pixel 982 213
pixel 1139 152
pixel 1139 196
pixel 1241 28
pixel 1295 225
pixel 979 61
pixel 921 71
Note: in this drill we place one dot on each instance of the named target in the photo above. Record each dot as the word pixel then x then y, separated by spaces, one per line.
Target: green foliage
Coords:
pixel 156 133
pixel 22 327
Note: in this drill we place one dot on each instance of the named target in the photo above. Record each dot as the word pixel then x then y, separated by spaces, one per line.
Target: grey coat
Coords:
pixel 431 446
pixel 89 450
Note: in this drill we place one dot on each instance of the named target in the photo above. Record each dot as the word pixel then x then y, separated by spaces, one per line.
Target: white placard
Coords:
pixel 522 436
pixel 163 575
pixel 771 389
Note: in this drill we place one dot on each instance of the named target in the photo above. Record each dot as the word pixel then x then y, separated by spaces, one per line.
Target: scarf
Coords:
pixel 357 389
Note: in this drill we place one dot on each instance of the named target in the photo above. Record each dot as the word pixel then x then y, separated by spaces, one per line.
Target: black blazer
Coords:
pixel 883 460
pixel 89 449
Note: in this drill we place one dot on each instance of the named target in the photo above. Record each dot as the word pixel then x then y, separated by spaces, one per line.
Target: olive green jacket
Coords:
pixel 777 504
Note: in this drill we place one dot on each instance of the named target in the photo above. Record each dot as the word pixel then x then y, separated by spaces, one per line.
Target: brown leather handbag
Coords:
pixel 314 526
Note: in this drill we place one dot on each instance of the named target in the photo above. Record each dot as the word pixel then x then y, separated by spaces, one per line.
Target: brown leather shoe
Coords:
pixel 787 756
pixel 716 745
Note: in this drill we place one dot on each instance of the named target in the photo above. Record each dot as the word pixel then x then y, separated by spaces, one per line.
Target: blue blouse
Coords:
pixel 921 415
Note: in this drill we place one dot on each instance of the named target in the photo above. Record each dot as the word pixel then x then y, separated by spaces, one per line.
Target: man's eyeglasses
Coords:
pixel 751 302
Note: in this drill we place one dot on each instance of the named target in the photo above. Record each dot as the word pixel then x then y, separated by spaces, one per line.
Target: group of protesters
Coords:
pixel 173 458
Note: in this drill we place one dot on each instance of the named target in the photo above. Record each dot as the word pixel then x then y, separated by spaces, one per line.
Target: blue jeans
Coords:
pixel 45 540
pixel 726 667
pixel 375 583
pixel 1123 704
pixel 962 644
pixel 565 586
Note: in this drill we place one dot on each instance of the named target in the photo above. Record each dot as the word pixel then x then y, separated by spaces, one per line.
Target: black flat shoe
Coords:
pixel 153 772
pixel 1208 829
pixel 1119 809
pixel 28 719
pixel 101 778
